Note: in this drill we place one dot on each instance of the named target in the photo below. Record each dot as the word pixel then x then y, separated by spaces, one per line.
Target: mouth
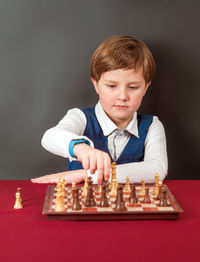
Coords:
pixel 121 106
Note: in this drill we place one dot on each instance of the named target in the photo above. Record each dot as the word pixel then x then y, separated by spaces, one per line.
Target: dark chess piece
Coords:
pixel 120 203
pixel 104 200
pixel 146 197
pixel 163 200
pixel 133 198
pixel 76 204
pixel 90 202
pixel 106 183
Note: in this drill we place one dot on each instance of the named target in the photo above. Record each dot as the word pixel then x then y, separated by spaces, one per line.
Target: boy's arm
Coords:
pixel 57 139
pixel 155 158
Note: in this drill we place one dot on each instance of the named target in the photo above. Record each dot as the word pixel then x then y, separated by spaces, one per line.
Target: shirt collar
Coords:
pixel 108 126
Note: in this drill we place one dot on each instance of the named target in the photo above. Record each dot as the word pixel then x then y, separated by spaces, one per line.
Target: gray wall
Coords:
pixel 45 50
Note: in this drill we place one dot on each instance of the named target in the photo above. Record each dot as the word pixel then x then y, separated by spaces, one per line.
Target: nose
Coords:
pixel 123 93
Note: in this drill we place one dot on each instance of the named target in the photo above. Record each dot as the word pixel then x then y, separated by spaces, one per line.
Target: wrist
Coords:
pixel 74 143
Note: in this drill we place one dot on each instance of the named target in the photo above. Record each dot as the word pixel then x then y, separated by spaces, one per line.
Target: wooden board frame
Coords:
pixel 111 215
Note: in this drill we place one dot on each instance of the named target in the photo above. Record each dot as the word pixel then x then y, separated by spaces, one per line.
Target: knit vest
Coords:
pixel 134 149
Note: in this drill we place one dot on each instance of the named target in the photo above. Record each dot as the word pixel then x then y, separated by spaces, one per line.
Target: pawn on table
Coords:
pixel 18 201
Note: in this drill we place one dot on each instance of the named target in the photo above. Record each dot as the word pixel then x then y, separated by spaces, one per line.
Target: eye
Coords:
pixel 132 87
pixel 111 86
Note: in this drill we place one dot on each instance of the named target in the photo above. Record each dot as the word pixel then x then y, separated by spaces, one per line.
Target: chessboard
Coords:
pixel 133 211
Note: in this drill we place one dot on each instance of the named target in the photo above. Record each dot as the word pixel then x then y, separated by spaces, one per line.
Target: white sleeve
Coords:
pixel 56 139
pixel 155 159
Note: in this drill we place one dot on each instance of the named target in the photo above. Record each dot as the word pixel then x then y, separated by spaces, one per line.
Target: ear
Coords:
pixel 95 83
pixel 146 87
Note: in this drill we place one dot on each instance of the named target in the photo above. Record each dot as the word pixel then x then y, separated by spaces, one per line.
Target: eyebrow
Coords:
pixel 130 83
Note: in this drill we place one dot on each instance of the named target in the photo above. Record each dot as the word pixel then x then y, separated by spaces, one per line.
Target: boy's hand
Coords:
pixel 93 159
pixel 76 176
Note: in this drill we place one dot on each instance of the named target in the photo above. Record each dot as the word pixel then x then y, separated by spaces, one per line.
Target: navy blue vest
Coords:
pixel 134 149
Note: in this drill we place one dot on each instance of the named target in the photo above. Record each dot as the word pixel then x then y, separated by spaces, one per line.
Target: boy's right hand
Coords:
pixel 93 159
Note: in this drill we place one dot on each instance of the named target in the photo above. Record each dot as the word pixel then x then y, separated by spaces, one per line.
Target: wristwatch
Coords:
pixel 74 142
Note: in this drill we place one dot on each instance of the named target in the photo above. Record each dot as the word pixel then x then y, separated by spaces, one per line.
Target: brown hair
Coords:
pixel 122 52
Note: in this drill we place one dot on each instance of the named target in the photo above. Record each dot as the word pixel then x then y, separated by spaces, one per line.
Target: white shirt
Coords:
pixel 72 126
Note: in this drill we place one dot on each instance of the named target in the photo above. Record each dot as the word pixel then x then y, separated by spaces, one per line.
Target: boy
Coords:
pixel 122 69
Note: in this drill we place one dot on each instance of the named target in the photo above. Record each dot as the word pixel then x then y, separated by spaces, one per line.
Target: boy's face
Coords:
pixel 120 92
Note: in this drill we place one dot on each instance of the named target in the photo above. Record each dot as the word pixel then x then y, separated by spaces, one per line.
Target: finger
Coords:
pixel 93 161
pixel 46 179
pixel 85 162
pixel 107 167
pixel 100 167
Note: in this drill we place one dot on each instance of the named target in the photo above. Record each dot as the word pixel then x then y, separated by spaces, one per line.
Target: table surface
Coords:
pixel 27 235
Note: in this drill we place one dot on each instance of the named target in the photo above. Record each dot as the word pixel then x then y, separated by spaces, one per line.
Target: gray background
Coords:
pixel 45 50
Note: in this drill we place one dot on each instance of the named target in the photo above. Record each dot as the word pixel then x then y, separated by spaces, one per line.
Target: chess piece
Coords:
pixel 99 189
pixel 18 201
pixel 156 189
pixel 156 177
pixel 146 197
pixel 159 190
pixel 163 200
pixel 113 191
pixel 120 203
pixel 60 187
pixel 84 193
pixel 75 200
pixel 104 200
pixel 73 186
pixel 90 202
pixel 60 203
pixel 113 176
pixel 133 198
pixel 142 191
pixel 127 188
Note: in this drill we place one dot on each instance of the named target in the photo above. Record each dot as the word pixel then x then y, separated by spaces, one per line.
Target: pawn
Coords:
pixel 127 188
pixel 76 204
pixel 163 200
pixel 120 203
pixel 147 197
pixel 104 200
pixel 90 202
pixel 159 190
pixel 142 191
pixel 18 201
pixel 133 199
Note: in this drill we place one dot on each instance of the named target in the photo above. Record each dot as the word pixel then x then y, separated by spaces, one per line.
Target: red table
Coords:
pixel 27 235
